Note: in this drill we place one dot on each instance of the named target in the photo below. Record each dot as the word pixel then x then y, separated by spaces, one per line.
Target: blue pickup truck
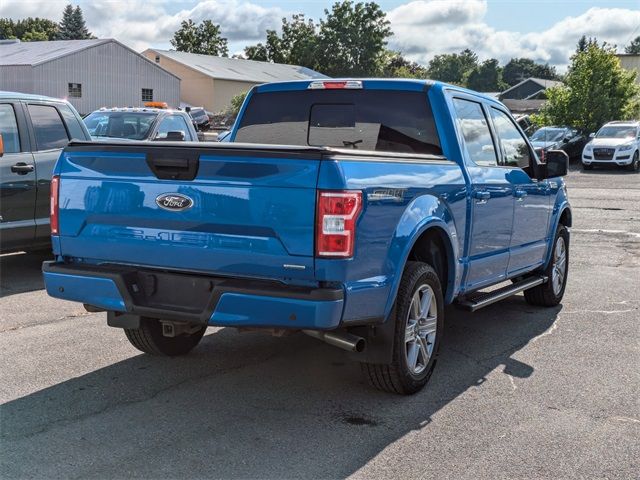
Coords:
pixel 350 210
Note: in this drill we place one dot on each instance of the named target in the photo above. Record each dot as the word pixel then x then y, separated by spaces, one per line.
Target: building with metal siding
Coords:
pixel 211 82
pixel 89 73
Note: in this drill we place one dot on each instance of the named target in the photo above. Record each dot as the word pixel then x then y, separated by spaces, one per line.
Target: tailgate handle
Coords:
pixel 174 166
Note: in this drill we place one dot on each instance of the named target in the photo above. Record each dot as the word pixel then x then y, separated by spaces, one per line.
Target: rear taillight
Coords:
pixel 53 208
pixel 336 223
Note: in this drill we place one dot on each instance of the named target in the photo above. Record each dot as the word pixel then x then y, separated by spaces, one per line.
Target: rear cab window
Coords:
pixel 374 120
pixel 473 125
pixel 48 127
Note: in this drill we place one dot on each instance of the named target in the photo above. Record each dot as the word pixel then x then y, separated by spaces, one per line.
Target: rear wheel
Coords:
pixel 148 338
pixel 550 293
pixel 418 315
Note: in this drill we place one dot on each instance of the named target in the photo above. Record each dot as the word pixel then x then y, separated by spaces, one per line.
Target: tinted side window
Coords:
pixel 48 127
pixel 390 121
pixel 73 125
pixel 475 129
pixel 515 150
pixel 9 129
pixel 173 123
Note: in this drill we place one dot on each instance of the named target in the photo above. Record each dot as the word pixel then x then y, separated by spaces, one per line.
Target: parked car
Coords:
pixel 568 139
pixel 33 131
pixel 141 124
pixel 525 123
pixel 200 118
pixel 390 201
pixel 616 143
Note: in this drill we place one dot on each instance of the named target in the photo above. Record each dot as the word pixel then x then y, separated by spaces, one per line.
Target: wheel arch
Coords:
pixel 430 239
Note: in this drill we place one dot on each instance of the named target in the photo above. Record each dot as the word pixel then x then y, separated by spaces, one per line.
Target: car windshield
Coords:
pixel 130 125
pixel 548 135
pixel 617 132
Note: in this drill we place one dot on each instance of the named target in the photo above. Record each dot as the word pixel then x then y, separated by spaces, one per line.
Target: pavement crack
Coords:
pixel 50 322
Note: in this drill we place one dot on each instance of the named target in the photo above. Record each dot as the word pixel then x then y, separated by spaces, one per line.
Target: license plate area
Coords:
pixel 170 291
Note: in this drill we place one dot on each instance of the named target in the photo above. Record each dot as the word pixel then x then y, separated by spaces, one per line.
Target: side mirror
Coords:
pixel 591 135
pixel 1 146
pixel 567 139
pixel 556 164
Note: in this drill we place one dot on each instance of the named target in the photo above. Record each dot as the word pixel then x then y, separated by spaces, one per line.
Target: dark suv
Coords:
pixel 33 130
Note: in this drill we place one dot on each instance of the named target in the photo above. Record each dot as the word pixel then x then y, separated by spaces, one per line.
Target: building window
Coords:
pixel 147 94
pixel 75 90
pixel 157 58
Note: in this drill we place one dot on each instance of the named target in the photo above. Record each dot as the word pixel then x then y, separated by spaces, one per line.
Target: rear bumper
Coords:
pixel 196 298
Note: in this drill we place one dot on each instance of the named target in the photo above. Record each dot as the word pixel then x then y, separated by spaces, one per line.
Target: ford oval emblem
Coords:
pixel 174 202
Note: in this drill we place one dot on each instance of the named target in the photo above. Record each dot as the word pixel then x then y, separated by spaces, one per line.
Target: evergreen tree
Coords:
pixel 72 26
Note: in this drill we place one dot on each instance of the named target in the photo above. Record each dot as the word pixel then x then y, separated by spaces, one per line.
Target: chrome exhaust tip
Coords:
pixel 345 341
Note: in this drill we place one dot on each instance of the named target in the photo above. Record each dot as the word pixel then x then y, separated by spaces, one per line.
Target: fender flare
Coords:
pixel 405 244
pixel 564 207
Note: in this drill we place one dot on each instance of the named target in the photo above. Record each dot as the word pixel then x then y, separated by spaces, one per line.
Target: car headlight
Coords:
pixel 588 147
pixel 623 148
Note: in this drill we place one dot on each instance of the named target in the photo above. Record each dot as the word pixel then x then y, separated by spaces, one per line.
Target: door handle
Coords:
pixel 519 194
pixel 482 196
pixel 21 168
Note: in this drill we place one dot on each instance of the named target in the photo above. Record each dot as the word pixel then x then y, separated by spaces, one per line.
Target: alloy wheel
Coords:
pixel 420 330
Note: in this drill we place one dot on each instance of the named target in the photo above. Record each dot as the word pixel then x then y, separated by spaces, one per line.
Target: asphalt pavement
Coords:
pixel 519 391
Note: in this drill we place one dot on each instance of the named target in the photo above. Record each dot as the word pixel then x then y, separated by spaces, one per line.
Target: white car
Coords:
pixel 616 143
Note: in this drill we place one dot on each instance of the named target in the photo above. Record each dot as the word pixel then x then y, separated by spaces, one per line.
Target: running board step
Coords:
pixel 477 300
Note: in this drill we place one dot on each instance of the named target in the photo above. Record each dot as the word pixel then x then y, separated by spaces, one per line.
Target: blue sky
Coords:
pixel 545 30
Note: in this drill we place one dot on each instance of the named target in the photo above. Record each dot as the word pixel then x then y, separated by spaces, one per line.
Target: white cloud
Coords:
pixel 425 28
pixel 422 28
pixel 141 24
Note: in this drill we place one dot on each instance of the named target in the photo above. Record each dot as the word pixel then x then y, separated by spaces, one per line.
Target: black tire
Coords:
pixel 545 295
pixel 397 377
pixel 149 339
pixel 634 166
pixel 587 167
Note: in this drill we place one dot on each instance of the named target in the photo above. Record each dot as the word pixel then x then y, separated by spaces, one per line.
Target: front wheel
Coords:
pixel 587 167
pixel 148 338
pixel 634 166
pixel 418 315
pixel 551 292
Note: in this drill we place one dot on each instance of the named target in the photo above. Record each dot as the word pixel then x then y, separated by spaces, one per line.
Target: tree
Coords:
pixel 352 40
pixel 396 66
pixel 519 69
pixel 633 47
pixel 29 29
pixel 72 26
pixel 453 67
pixel 596 90
pixel 585 42
pixel 486 77
pixel 204 38
pixel 296 45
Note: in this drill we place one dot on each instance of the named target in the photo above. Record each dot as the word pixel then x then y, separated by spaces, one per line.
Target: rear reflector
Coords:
pixel 336 223
pixel 53 205
pixel 334 84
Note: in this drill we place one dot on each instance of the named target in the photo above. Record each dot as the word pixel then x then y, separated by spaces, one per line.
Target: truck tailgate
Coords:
pixel 217 208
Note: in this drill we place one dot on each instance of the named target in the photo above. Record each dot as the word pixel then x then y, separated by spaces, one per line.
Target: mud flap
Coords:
pixel 379 347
